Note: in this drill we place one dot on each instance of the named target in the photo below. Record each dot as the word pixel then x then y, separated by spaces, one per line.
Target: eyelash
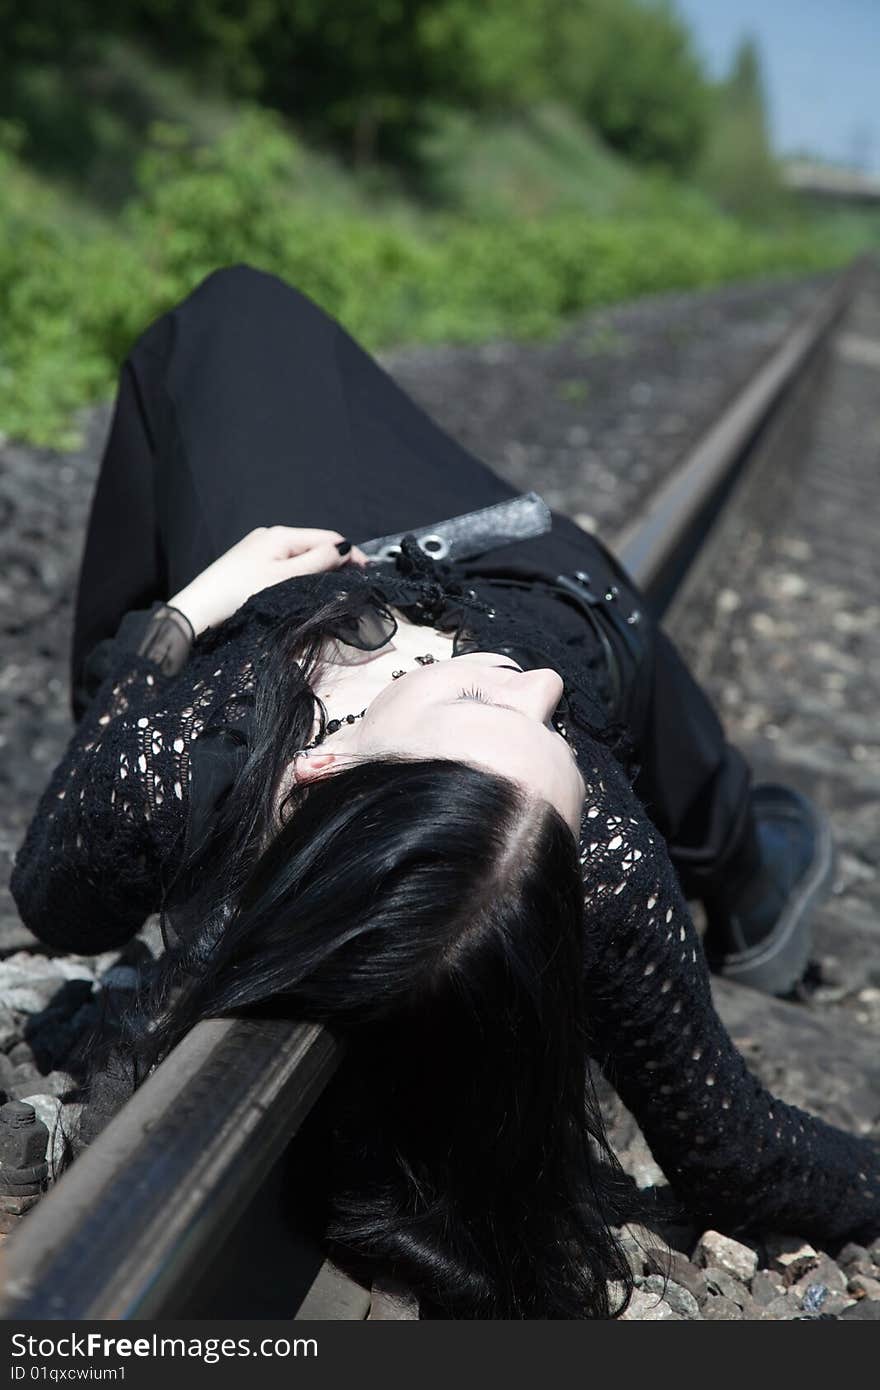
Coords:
pixel 474 693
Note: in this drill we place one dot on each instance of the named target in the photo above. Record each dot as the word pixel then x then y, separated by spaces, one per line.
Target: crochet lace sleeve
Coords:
pixel 91 865
pixel 736 1156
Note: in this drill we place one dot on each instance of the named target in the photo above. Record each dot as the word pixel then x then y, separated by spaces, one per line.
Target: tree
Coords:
pixel 629 66
pixel 738 167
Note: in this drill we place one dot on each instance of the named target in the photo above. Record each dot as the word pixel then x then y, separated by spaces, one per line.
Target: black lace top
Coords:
pixel 113 820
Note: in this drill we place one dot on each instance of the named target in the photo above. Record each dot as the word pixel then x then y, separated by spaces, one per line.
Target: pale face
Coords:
pixel 424 714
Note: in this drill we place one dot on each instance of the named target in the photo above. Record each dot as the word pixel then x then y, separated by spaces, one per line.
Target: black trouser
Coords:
pixel 248 406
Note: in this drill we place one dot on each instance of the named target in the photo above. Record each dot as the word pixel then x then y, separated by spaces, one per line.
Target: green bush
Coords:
pixel 359 75
pixel 75 292
pixel 630 68
pixel 737 167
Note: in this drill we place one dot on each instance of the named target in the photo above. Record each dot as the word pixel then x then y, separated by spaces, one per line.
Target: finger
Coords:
pixel 293 540
pixel 318 558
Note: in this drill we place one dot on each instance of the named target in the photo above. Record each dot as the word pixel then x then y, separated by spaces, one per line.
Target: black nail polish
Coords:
pixel 343 547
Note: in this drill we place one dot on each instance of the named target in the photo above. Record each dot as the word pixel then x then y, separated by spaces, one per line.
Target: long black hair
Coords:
pixel 431 913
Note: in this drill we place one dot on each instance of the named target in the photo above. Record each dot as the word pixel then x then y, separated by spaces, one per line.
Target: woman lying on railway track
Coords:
pixel 449 807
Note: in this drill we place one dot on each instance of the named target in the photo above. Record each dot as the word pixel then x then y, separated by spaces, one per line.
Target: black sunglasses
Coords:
pixel 376 626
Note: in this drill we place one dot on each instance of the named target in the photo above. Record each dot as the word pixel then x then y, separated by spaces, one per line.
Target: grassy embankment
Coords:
pixel 510 228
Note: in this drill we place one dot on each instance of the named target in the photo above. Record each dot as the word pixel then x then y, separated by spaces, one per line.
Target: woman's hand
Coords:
pixel 260 559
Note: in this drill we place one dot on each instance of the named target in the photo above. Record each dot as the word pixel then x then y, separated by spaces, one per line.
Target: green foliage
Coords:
pixel 84 114
pixel 737 166
pixel 65 293
pixel 358 74
pixel 629 67
pixel 75 291
pixel 545 159
pixel 493 53
pixel 41 28
pixel 364 77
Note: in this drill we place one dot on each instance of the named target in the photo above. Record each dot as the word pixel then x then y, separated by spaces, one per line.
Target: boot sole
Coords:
pixel 776 964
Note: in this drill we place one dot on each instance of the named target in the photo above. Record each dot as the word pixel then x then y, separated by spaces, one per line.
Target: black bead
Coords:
pixel 333 726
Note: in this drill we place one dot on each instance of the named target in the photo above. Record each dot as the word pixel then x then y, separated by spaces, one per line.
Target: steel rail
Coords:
pixel 647 546
pixel 153 1197
pixel 129 1228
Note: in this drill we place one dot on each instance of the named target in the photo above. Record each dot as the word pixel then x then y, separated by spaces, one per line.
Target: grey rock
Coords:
pixel 677 1267
pixel 792 1258
pixel 635 1261
pixel 25 1079
pixel 719 1282
pixel 767 1285
pixel 57 1083
pixel 863 1286
pixel 14 935
pixel 637 1160
pixel 75 968
pixel 40 987
pixel 866 1310
pixel 825 1272
pixel 835 1304
pixel 24 966
pixel 616 1291
pixel 780 1309
pixel 30 999
pixel 721 1309
pixel 680 1299
pixel 6 1073
pixel 722 1252
pixel 150 935
pixel 10 1028
pixel 100 964
pixel 855 1259
pixel 635 1241
pixel 647 1307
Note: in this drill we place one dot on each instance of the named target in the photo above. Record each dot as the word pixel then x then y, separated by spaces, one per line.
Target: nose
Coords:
pixel 539 692
pixel 536 693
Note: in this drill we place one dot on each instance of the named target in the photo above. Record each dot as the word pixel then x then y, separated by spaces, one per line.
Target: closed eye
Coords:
pixel 474 693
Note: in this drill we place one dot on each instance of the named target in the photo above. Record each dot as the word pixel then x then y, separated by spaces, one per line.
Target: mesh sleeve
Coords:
pixel 735 1155
pixel 90 868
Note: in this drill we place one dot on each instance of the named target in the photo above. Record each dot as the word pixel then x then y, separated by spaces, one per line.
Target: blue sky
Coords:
pixel 821 63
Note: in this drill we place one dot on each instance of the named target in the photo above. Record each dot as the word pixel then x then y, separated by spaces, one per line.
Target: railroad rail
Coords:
pixel 184 1183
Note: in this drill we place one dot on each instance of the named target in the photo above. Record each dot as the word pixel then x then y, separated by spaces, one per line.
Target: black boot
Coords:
pixel 759 924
